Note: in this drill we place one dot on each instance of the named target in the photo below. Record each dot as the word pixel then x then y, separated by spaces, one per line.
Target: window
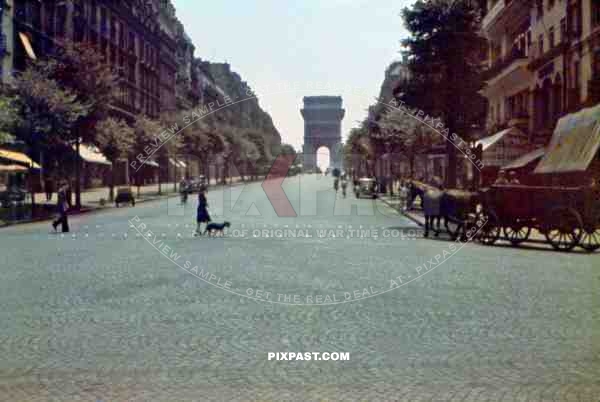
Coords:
pixel 131 72
pixel 131 41
pixel 563 30
pixel 540 9
pixel 540 45
pixel 595 13
pixel 49 17
pixel 551 42
pixel 550 4
pixel 103 22
pixel 61 20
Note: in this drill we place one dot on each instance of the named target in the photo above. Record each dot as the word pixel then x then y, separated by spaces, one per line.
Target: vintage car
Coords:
pixel 124 195
pixel 366 186
pixel 13 195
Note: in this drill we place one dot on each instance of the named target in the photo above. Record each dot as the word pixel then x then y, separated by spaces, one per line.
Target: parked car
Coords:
pixel 124 195
pixel 366 186
pixel 196 183
pixel 12 195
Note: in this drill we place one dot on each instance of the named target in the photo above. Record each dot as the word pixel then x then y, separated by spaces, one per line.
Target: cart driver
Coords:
pixel 501 178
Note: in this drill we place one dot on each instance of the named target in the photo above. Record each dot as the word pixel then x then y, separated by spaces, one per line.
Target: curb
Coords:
pixel 421 223
pixel 404 213
pixel 87 209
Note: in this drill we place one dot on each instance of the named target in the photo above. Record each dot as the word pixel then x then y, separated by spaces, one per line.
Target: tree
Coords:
pixel 407 134
pixel 358 151
pixel 114 138
pixel 43 114
pixel 83 70
pixel 445 54
pixel 145 131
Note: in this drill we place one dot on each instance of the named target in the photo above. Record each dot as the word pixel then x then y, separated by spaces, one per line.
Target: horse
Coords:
pixel 417 189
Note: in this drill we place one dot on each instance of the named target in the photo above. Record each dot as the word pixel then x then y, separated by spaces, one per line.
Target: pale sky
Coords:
pixel 287 49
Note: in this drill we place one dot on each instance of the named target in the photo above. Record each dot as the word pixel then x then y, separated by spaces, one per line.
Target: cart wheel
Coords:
pixel 489 225
pixel 517 233
pixel 454 227
pixel 590 238
pixel 564 231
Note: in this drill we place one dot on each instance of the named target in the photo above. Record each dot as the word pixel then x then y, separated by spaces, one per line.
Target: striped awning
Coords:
pixel 13 169
pixel 19 157
pixel 91 154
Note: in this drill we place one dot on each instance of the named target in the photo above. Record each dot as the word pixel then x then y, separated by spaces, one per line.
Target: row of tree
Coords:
pixel 445 53
pixel 61 102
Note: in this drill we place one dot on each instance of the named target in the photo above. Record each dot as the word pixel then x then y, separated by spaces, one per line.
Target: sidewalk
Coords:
pixel 91 199
pixel 416 215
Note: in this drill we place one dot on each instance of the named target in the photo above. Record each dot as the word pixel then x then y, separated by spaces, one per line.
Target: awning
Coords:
pixel 526 159
pixel 91 154
pixel 13 169
pixel 574 143
pixel 151 163
pixel 27 45
pixel 177 163
pixel 18 157
pixel 503 147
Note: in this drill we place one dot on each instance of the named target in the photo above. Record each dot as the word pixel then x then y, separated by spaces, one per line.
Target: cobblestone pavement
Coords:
pixel 102 315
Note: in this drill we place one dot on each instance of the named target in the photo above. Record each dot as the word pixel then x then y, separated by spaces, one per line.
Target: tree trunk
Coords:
pixel 111 187
pixel 127 181
pixel 32 190
pixel 159 178
pixel 77 175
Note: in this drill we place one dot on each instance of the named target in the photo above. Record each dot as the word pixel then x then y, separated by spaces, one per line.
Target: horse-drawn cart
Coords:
pixel 566 216
pixel 566 208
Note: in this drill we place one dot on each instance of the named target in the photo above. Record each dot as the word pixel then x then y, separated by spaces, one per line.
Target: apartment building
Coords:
pixel 543 62
pixel 137 37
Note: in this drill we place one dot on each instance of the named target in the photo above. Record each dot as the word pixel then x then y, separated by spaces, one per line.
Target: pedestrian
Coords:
pixel 184 190
pixel 344 185
pixel 501 179
pixel 49 188
pixel 202 215
pixel 512 178
pixel 62 206
pixel 403 196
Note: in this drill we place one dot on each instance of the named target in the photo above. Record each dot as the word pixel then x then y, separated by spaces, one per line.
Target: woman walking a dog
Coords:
pixel 202 215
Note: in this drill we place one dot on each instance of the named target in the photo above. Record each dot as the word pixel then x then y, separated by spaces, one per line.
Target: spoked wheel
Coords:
pixel 517 233
pixel 454 227
pixel 590 238
pixel 564 230
pixel 489 225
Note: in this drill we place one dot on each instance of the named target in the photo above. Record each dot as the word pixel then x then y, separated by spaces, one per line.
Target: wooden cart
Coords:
pixel 566 216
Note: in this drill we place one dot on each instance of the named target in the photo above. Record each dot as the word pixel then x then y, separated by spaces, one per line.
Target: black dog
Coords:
pixel 213 228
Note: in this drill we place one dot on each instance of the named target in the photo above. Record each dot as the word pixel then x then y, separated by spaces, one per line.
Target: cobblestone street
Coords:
pixel 106 314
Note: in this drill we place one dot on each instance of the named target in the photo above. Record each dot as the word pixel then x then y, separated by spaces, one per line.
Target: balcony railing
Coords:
pixel 493 13
pixel 502 6
pixel 537 57
pixel 504 62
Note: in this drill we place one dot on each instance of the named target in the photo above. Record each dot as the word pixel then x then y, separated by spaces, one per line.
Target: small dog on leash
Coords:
pixel 213 228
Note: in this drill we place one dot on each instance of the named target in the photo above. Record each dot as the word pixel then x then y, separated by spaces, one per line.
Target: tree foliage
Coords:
pixel 445 53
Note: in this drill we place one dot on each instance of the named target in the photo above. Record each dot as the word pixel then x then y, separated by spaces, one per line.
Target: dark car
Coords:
pixel 124 196
pixel 12 195
pixel 196 183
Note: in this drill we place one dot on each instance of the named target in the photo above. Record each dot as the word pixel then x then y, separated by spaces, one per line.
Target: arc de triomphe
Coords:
pixel 322 127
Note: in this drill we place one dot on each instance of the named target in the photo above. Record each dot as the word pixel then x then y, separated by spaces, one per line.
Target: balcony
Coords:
pixel 538 58
pixel 505 13
pixel 507 73
pixel 519 120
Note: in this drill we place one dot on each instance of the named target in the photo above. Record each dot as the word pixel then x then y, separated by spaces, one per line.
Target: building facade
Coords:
pixel 543 62
pixel 137 38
